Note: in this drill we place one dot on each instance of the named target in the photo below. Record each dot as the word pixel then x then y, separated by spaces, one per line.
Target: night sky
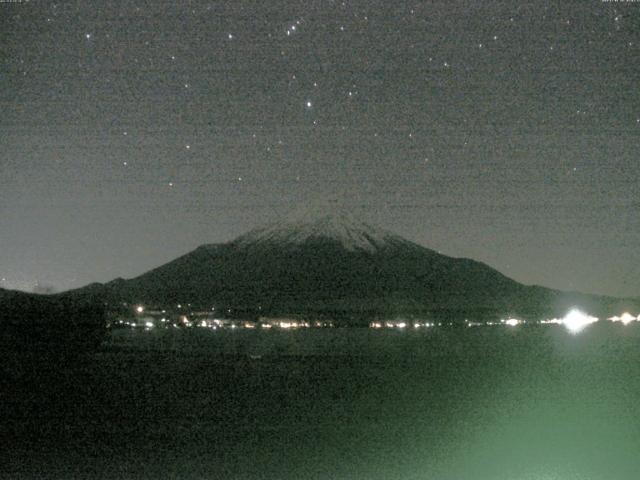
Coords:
pixel 508 132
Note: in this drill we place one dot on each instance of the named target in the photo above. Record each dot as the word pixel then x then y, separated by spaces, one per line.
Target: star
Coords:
pixel 309 104
pixel 88 36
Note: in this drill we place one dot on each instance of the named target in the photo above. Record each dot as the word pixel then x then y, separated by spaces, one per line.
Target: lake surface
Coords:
pixel 525 402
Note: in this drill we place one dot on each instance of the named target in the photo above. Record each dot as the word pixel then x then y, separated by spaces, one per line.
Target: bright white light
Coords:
pixel 139 309
pixel 626 318
pixel 401 325
pixel 149 324
pixel 512 322
pixel 576 320
pixel 309 104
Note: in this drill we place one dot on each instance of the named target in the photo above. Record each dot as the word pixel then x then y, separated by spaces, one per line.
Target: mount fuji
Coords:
pixel 326 263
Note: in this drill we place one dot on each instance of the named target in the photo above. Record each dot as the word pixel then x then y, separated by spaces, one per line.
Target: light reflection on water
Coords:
pixel 523 402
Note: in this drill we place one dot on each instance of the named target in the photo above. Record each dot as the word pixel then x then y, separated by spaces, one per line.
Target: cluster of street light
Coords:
pixel 575 321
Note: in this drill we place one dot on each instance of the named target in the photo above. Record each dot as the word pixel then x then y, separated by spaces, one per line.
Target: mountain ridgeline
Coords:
pixel 334 266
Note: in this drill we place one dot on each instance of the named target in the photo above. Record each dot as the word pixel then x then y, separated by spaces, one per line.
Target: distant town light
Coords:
pixel 625 319
pixel 149 324
pixel 512 322
pixel 557 321
pixel 139 309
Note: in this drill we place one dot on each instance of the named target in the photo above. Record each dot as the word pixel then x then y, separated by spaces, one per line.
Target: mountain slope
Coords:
pixel 336 266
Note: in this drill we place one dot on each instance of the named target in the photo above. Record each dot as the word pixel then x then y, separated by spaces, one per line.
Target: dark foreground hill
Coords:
pixel 335 266
pixel 43 329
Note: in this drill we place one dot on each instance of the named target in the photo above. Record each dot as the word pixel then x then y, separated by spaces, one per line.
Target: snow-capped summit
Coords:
pixel 322 222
